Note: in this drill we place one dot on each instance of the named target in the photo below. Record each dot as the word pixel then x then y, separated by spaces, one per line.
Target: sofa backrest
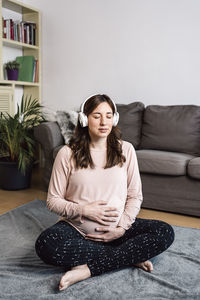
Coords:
pixel 173 128
pixel 130 122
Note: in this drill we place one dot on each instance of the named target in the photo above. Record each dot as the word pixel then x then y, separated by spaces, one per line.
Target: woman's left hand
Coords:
pixel 110 234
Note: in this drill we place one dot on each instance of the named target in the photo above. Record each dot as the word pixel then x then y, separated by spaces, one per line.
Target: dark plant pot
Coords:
pixel 11 178
pixel 12 74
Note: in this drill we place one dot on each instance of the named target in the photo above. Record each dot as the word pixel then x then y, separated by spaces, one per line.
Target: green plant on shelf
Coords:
pixel 12 65
pixel 17 142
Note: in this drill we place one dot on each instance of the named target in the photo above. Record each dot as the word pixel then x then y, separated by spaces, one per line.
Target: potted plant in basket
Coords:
pixel 17 144
pixel 12 68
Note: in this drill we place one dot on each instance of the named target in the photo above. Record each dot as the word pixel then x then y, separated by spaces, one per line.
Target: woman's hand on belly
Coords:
pixel 99 212
pixel 109 234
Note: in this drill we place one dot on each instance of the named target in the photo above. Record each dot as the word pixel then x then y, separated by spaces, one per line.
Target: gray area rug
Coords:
pixel 176 272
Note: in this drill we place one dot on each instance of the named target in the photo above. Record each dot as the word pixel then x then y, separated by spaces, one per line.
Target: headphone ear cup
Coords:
pixel 115 118
pixel 83 119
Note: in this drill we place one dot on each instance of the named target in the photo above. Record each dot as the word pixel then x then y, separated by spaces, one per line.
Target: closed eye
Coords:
pixel 97 115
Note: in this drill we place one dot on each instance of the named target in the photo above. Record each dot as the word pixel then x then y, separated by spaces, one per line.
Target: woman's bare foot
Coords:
pixel 76 274
pixel 146 265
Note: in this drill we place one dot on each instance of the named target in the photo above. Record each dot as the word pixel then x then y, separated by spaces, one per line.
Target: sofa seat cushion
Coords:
pixel 173 128
pixel 130 122
pixel 194 168
pixel 162 162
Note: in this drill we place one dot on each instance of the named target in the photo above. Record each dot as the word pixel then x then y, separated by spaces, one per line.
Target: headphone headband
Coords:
pixel 83 104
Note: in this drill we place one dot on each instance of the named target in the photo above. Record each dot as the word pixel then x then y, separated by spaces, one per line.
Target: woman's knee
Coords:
pixel 166 233
pixel 45 244
pixel 41 245
pixel 52 235
pixel 52 247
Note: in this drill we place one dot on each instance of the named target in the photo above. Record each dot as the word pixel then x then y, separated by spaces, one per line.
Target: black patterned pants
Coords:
pixel 62 245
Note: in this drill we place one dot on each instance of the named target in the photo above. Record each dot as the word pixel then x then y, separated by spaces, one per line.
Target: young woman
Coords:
pixel 95 188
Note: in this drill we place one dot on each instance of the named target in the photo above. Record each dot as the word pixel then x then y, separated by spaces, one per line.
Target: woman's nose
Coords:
pixel 103 120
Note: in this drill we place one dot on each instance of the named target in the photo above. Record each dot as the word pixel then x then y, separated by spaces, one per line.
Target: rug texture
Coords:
pixel 23 275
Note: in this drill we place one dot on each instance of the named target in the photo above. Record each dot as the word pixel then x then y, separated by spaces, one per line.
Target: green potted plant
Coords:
pixel 12 68
pixel 17 144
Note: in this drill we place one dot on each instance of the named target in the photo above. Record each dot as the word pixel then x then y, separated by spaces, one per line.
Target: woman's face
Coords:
pixel 100 121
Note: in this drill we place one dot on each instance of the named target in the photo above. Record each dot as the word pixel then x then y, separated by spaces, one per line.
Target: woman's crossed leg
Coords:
pixel 62 245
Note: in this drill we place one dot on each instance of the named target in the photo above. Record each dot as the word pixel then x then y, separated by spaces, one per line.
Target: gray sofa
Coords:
pixel 167 143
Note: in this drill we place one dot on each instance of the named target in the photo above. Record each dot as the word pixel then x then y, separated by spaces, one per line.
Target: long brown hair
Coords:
pixel 80 141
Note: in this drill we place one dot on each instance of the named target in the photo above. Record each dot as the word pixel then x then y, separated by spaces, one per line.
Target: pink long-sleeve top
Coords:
pixel 70 189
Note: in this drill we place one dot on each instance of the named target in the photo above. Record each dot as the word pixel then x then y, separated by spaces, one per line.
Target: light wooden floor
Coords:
pixel 12 199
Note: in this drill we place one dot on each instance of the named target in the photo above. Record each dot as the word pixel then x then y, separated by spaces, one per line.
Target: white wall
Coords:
pixel 133 50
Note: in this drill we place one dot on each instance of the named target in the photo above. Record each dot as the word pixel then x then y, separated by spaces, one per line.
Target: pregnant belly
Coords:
pixel 89 226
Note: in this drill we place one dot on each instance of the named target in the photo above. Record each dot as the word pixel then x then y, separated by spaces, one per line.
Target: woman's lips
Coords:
pixel 103 129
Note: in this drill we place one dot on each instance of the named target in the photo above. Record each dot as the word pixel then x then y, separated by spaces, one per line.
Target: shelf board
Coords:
pixel 13 82
pixel 18 7
pixel 15 44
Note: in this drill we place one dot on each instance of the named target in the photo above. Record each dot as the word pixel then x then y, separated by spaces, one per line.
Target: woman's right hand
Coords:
pixel 99 212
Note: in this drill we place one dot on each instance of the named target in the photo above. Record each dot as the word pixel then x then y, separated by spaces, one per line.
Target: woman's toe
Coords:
pixel 148 266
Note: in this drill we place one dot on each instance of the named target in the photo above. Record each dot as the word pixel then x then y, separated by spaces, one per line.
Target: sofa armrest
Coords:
pixel 194 168
pixel 48 134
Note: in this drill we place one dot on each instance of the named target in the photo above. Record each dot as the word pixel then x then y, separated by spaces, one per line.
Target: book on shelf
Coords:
pixel 21 31
pixel 35 71
pixel 28 70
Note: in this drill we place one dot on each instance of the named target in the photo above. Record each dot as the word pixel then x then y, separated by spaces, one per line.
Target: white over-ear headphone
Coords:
pixel 83 119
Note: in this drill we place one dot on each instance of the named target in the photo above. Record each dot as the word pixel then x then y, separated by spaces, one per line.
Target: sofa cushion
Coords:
pixel 130 121
pixel 194 168
pixel 162 162
pixel 172 128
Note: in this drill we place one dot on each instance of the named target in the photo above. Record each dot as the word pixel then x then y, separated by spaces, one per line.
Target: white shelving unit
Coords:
pixel 29 14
